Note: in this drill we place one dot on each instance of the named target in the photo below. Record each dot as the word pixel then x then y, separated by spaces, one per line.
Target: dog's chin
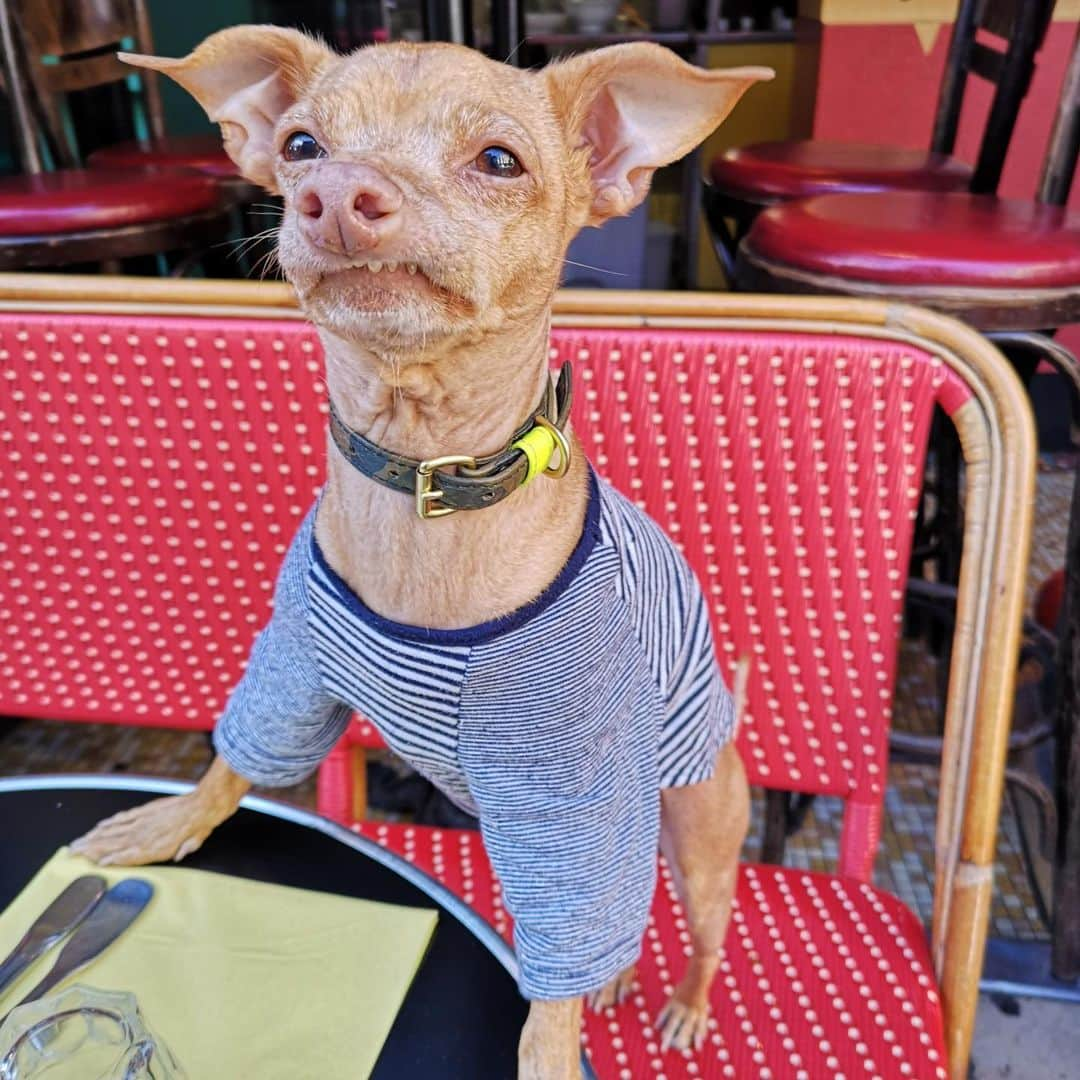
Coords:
pixel 393 307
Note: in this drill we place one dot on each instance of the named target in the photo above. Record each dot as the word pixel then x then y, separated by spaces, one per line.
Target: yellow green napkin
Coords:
pixel 243 979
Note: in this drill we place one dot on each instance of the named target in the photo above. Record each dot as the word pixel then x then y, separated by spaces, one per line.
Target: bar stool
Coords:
pixel 73 215
pixel 69 50
pixel 1012 270
pixel 746 180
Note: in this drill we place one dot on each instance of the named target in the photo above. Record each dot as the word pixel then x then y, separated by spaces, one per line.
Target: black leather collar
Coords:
pixel 488 481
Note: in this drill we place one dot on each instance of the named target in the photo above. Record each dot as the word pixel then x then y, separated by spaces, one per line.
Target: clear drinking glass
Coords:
pixel 83 1033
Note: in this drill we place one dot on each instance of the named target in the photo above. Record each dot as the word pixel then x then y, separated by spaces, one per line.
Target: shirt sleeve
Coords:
pixel 699 714
pixel 279 722
pixel 672 622
pixel 578 883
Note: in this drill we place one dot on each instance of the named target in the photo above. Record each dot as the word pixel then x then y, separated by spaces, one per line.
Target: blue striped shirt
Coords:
pixel 561 753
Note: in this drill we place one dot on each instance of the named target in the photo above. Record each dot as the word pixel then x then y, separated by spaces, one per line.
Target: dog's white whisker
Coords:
pixel 598 269
pixel 515 50
pixel 242 243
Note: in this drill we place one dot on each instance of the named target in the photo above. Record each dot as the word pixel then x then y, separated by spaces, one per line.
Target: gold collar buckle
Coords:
pixel 425 494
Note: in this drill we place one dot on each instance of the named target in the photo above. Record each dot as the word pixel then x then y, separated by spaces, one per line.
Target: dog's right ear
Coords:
pixel 245 78
pixel 630 109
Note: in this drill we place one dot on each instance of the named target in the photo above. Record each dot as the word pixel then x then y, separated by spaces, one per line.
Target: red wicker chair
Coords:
pixel 76 215
pixel 162 440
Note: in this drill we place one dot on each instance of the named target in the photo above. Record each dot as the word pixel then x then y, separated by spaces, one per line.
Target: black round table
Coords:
pixel 462 1016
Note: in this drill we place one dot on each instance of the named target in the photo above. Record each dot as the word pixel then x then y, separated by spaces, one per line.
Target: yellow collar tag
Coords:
pixel 538 445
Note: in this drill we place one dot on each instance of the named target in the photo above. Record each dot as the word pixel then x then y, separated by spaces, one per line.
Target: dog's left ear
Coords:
pixel 635 108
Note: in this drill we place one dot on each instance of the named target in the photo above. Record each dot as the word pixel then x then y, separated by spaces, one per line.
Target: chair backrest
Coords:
pixel 1021 26
pixel 160 466
pixel 155 467
pixel 1059 166
pixel 69 46
pixel 787 467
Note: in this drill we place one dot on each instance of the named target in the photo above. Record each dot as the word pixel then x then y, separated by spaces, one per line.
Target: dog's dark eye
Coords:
pixel 498 161
pixel 300 146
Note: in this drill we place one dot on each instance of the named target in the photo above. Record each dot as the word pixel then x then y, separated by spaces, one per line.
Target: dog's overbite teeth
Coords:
pixel 377 266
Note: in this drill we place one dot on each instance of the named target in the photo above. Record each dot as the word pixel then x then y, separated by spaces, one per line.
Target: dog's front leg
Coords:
pixel 167 828
pixel 550 1047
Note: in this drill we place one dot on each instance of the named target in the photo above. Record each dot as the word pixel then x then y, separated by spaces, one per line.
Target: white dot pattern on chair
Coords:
pixel 153 472
pixel 787 467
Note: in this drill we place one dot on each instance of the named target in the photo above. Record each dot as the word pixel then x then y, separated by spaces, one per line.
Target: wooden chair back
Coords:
pixel 70 46
pixel 1021 26
pixel 1059 165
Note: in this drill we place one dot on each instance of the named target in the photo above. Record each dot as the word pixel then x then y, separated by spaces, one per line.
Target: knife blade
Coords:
pixel 111 916
pixel 58 919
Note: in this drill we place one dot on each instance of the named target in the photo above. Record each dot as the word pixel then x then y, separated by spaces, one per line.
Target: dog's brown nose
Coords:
pixel 348 208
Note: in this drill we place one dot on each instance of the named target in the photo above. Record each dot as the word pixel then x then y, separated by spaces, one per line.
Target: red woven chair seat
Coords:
pixel 203 153
pixel 923 239
pixel 80 200
pixel 799 168
pixel 814 966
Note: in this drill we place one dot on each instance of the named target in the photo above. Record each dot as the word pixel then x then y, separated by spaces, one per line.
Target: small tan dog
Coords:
pixel 430 195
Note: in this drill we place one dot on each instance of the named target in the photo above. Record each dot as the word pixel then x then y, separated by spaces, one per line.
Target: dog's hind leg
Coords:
pixel 702 831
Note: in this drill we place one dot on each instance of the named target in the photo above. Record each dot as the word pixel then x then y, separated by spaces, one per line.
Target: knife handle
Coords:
pixel 112 915
pixel 60 917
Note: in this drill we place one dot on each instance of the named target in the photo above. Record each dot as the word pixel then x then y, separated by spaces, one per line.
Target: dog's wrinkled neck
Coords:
pixel 469 399
pixel 460 396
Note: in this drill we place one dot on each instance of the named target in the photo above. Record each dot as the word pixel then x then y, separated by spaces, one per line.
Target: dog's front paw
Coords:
pixel 682 1025
pixel 614 992
pixel 157 831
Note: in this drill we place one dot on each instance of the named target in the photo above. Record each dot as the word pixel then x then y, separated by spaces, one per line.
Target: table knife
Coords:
pixel 58 919
pixel 111 916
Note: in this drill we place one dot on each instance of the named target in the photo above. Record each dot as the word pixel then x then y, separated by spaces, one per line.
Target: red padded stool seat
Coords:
pixel 813 968
pixel 796 169
pixel 80 200
pixel 996 263
pixel 919 238
pixel 204 153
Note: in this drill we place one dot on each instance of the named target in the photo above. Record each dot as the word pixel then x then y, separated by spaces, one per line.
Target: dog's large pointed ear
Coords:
pixel 637 107
pixel 245 78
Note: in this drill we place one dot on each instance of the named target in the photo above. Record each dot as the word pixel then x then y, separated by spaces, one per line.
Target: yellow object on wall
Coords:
pixel 877 12
pixel 883 12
